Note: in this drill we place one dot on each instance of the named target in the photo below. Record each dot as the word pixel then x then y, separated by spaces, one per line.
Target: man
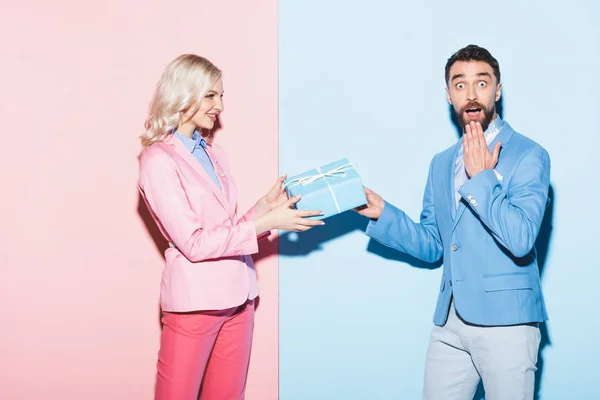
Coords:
pixel 483 206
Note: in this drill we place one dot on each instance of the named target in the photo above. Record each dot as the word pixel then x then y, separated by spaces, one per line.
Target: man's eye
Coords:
pixel 460 86
pixel 482 84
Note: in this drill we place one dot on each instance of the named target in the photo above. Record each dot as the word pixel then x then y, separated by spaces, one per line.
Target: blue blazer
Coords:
pixel 487 243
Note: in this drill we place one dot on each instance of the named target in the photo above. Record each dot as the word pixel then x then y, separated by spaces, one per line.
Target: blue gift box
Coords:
pixel 332 189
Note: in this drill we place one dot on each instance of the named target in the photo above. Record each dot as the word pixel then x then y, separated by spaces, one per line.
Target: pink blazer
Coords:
pixel 208 264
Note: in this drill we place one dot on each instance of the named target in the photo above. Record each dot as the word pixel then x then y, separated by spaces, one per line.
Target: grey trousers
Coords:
pixel 461 354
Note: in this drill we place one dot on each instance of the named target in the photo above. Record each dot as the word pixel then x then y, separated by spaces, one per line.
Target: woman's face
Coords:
pixel 210 107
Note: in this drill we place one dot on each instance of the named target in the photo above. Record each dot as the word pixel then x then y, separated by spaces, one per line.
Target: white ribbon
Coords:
pixel 338 172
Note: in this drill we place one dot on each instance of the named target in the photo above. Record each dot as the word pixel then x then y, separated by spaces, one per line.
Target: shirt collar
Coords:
pixel 493 128
pixel 191 143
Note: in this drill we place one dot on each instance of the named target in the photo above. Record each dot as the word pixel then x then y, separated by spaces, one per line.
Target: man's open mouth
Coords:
pixel 473 112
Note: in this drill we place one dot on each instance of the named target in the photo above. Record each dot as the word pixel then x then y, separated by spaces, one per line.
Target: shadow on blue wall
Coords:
pixel 292 244
pixel 542 243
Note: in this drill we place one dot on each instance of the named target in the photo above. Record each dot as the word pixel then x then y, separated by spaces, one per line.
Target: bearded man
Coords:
pixel 483 206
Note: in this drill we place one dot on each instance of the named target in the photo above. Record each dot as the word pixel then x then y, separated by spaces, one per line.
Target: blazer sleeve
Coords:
pixel 397 230
pixel 161 187
pixel 513 214
pixel 251 216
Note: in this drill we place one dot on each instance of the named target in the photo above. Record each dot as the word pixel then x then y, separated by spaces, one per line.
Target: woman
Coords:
pixel 209 282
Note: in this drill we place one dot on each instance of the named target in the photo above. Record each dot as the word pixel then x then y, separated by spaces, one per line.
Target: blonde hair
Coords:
pixel 178 94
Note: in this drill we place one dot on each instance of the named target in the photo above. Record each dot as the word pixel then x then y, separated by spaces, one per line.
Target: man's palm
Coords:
pixel 374 205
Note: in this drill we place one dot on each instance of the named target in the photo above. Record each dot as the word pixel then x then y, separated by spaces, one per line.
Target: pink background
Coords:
pixel 80 271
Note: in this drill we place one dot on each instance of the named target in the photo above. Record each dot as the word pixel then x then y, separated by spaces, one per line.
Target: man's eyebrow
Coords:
pixel 479 74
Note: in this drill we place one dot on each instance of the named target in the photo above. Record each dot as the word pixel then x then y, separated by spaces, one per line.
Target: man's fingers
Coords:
pixel 477 137
pixel 470 141
pixel 479 129
pixel 474 137
pixel 370 214
pixel 363 211
pixel 370 193
pixel 480 136
pixel 467 142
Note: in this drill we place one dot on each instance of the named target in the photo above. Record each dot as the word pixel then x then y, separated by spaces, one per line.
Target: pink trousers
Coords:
pixel 205 353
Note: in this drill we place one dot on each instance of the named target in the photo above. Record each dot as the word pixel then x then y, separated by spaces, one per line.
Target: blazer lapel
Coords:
pixel 184 153
pixel 459 213
pixel 450 180
pixel 503 136
pixel 222 178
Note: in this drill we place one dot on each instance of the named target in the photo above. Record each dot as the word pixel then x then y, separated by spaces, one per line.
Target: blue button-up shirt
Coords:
pixel 197 146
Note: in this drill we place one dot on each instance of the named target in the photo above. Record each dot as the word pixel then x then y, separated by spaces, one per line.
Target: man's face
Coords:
pixel 473 92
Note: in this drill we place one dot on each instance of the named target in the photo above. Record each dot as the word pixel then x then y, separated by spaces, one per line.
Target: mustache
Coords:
pixel 473 104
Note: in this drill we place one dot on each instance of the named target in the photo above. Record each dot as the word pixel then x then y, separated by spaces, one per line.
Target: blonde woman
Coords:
pixel 209 283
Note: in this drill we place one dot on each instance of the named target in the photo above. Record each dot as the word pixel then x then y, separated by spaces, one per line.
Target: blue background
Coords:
pixel 365 80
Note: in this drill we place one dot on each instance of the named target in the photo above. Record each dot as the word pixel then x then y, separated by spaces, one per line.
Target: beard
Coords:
pixel 488 115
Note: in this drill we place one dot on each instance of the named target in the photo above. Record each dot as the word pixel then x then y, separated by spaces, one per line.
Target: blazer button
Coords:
pixel 454 247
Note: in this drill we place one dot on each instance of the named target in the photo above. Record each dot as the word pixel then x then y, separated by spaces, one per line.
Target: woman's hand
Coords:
pixel 286 218
pixel 273 199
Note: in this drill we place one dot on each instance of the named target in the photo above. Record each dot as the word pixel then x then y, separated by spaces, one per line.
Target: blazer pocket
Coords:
pixel 507 281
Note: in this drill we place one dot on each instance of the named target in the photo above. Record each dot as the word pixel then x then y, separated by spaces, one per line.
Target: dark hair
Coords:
pixel 473 53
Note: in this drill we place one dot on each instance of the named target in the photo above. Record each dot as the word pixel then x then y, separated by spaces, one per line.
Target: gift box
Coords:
pixel 332 189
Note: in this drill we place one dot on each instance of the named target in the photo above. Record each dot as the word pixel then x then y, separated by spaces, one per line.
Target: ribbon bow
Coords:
pixel 338 172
